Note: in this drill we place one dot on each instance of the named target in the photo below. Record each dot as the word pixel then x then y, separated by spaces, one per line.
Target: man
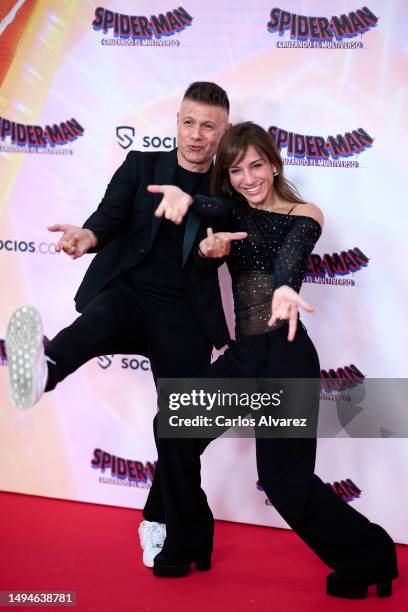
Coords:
pixel 145 292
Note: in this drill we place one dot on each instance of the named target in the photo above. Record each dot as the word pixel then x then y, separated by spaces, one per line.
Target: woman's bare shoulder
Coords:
pixel 309 210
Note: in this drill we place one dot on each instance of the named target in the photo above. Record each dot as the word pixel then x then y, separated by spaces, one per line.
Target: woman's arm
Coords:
pixel 175 204
pixel 216 210
pixel 298 245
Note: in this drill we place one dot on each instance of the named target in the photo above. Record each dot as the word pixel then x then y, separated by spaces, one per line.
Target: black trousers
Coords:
pixel 342 537
pixel 125 321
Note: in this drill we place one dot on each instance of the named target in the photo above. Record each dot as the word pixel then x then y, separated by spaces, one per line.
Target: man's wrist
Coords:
pixel 200 252
pixel 92 237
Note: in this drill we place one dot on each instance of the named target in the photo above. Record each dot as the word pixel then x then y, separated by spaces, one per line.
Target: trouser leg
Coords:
pixel 109 324
pixel 154 508
pixel 178 348
pixel 188 518
pixel 174 453
pixel 342 537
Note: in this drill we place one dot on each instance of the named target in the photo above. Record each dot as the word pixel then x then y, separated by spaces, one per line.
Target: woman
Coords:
pixel 268 266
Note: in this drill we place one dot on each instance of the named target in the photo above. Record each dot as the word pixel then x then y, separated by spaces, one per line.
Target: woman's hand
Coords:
pixel 285 305
pixel 175 202
pixel 219 244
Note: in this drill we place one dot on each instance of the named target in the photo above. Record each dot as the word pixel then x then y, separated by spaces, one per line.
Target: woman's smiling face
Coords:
pixel 252 177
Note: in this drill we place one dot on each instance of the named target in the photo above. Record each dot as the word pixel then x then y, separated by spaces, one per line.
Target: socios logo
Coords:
pixel 312 150
pixel 129 471
pixel 36 138
pixel 321 32
pixel 126 137
pixel 22 246
pixel 333 269
pixel 132 30
pixel 105 361
pixel 127 363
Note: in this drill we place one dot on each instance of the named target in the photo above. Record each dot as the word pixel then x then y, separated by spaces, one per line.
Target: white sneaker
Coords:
pixel 28 368
pixel 152 536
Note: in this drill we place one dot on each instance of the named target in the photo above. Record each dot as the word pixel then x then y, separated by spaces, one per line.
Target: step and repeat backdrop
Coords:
pixel 82 84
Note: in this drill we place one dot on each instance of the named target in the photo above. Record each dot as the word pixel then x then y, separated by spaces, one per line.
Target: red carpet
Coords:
pixel 58 545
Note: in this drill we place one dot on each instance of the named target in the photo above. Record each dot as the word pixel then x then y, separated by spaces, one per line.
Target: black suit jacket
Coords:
pixel 126 227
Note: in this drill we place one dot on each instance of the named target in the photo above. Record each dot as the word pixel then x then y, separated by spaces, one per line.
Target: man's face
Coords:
pixel 199 131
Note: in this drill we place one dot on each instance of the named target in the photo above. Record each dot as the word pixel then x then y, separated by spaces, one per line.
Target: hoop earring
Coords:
pixel 275 173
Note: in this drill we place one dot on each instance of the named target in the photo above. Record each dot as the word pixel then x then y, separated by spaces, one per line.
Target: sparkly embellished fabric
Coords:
pixel 274 254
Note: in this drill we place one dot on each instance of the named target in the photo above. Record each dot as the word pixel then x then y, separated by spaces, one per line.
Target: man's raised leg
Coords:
pixel 100 330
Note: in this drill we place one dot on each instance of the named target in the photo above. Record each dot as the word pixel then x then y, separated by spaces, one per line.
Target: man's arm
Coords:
pixel 115 208
pixel 75 241
pixel 109 218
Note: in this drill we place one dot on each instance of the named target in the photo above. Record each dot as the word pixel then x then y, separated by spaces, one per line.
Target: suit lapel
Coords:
pixel 193 222
pixel 192 225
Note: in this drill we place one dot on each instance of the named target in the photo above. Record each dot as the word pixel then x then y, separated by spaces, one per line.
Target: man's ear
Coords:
pixel 229 125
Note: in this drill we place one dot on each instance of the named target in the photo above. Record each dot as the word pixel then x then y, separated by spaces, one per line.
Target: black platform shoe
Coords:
pixel 191 543
pixel 355 585
pixel 163 566
pixel 340 585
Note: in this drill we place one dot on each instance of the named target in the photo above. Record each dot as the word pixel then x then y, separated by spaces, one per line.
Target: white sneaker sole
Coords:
pixel 24 348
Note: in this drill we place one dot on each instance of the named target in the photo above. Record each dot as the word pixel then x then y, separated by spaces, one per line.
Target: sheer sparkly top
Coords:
pixel 274 254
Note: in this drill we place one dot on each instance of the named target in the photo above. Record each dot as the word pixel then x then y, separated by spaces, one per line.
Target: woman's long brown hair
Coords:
pixel 233 146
